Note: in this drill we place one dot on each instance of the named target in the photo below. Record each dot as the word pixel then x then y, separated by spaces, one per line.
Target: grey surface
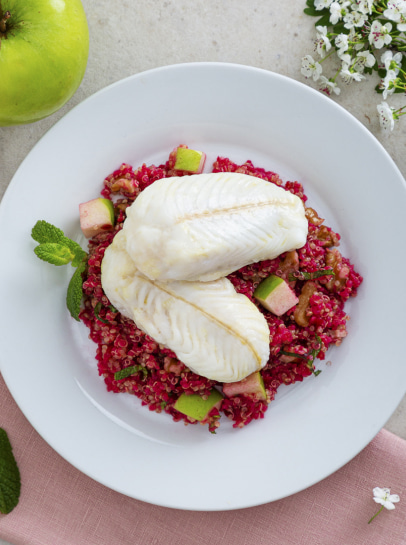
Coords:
pixel 129 37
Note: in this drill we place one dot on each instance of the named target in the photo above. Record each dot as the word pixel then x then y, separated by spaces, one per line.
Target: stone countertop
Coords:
pixel 129 37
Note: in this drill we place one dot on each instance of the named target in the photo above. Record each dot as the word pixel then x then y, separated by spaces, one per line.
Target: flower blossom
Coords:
pixel 328 86
pixel 396 12
pixel 364 58
pixel 385 498
pixel 349 75
pixel 321 4
pixel 392 61
pixel 380 34
pixel 364 6
pixel 311 68
pixel 338 11
pixel 388 84
pixel 341 43
pixel 387 121
pixel 322 42
pixel 354 19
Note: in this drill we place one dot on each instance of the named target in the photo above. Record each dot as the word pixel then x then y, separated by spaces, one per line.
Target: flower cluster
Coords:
pixel 364 36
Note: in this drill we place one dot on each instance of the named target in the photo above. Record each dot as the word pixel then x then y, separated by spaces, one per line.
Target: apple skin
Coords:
pixel 43 57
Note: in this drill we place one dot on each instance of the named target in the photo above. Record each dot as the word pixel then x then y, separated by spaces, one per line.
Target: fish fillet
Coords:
pixel 205 226
pixel 215 331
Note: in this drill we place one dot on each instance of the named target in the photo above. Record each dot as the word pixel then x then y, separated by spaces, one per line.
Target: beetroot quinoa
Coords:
pixel 297 338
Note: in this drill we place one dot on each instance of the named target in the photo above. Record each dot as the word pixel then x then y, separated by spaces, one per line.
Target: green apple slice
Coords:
pixel 96 216
pixel 189 160
pixel 196 407
pixel 251 385
pixel 275 295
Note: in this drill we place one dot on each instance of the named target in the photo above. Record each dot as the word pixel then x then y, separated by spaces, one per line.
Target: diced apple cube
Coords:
pixel 189 160
pixel 96 216
pixel 276 295
pixel 194 406
pixel 251 385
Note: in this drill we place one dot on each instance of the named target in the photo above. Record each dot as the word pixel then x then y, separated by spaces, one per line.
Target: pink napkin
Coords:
pixel 61 506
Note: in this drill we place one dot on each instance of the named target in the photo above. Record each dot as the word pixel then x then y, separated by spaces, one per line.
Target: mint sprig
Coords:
pixel 75 291
pixel 57 249
pixel 304 275
pixel 10 481
pixel 53 243
pixel 128 371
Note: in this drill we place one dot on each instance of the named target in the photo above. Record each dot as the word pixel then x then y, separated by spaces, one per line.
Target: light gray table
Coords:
pixel 130 37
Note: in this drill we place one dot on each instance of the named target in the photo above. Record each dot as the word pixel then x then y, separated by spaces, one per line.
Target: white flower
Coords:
pixel 341 43
pixel 391 61
pixel 388 84
pixel 345 60
pixel 354 19
pixel 338 11
pixel 322 43
pixel 380 34
pixel 354 37
pixel 383 495
pixel 395 10
pixel 321 4
pixel 364 6
pixel 365 58
pixel 328 86
pixel 349 75
pixel 311 68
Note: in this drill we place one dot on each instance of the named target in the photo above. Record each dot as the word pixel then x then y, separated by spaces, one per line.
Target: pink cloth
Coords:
pixel 61 506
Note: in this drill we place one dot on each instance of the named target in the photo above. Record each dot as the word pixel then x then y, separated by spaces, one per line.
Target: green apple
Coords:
pixel 253 385
pixel 196 407
pixel 44 47
pixel 275 295
pixel 96 216
pixel 189 160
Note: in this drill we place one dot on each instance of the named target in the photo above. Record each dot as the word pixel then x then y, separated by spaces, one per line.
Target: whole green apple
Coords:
pixel 44 47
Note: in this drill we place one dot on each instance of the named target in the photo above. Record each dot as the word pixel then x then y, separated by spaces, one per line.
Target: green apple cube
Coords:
pixel 251 385
pixel 189 160
pixel 275 295
pixel 196 407
pixel 96 216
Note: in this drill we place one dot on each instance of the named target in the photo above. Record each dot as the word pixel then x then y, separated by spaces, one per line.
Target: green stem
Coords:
pixel 376 514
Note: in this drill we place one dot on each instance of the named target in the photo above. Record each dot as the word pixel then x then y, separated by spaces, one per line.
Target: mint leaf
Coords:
pixel 303 275
pixel 128 371
pixel 80 255
pixel 46 232
pixel 10 481
pixel 75 291
pixel 54 253
pixel 55 248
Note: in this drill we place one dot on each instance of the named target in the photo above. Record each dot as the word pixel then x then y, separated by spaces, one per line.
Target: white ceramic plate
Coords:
pixel 311 429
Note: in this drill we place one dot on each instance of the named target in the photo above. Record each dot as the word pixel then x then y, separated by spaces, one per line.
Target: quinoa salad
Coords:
pixel 131 362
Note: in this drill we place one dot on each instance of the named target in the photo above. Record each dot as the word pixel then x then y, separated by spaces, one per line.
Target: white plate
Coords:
pixel 311 429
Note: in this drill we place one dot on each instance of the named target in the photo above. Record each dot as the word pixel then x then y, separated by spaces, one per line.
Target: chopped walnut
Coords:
pixel 289 264
pixel 301 315
pixel 124 184
pixel 341 270
pixel 313 217
pixel 327 236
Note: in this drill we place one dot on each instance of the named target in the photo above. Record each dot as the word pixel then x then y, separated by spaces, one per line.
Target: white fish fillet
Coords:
pixel 205 226
pixel 215 331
